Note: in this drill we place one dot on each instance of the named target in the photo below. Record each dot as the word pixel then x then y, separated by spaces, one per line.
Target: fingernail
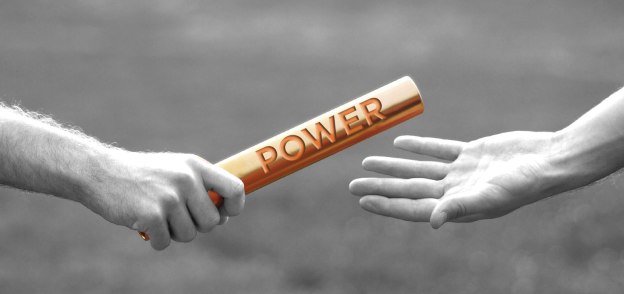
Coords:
pixel 439 220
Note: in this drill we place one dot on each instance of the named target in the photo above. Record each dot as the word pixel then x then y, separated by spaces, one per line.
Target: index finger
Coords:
pixel 226 185
pixel 434 147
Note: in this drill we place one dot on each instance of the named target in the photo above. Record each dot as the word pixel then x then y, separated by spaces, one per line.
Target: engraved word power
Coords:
pixel 348 118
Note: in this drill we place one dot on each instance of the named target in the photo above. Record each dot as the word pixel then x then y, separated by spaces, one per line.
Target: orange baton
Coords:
pixel 322 136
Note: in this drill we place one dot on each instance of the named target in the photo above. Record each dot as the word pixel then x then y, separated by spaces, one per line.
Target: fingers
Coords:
pixel 158 230
pixel 438 148
pixel 406 209
pixel 180 221
pixel 225 184
pixel 181 227
pixel 397 188
pixel 405 168
pixel 174 203
pixel 171 222
pixel 203 212
pixel 415 210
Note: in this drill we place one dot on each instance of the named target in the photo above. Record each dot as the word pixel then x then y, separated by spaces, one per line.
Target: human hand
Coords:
pixel 483 179
pixel 164 195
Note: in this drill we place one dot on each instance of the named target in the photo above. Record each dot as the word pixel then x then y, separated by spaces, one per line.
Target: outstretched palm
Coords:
pixel 486 178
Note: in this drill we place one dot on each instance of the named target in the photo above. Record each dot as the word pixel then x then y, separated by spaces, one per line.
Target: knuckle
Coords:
pixel 170 200
pixel 189 158
pixel 184 178
pixel 376 185
pixel 152 217
pixel 233 187
pixel 238 187
pixel 193 160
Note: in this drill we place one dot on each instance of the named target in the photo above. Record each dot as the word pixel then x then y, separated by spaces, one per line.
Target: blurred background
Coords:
pixel 214 77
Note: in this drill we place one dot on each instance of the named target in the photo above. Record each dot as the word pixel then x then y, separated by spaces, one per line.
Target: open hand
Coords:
pixel 482 179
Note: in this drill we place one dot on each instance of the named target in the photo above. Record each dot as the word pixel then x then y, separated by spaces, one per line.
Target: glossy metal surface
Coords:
pixel 300 146
pixel 323 136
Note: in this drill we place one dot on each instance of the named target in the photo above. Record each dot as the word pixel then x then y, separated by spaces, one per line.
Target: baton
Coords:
pixel 322 136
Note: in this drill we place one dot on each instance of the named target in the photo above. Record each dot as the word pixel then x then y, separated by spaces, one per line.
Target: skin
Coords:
pixel 493 176
pixel 162 194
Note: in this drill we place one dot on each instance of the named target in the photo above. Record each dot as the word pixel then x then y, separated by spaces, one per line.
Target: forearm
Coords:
pixel 163 194
pixel 593 146
pixel 46 158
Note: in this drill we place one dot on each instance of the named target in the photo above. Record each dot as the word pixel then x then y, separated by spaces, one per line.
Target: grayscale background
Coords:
pixel 214 77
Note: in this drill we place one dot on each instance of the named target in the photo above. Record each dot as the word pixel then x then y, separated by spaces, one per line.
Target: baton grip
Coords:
pixel 322 136
pixel 214 196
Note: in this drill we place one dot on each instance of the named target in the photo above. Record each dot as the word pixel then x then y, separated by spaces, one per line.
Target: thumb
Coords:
pixel 453 208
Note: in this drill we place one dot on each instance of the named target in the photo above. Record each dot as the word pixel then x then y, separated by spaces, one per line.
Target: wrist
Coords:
pixel 103 166
pixel 580 158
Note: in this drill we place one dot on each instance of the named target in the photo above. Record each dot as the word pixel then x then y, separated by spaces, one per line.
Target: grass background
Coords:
pixel 214 77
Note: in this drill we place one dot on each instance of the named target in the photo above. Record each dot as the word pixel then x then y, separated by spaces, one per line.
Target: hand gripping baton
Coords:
pixel 322 136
